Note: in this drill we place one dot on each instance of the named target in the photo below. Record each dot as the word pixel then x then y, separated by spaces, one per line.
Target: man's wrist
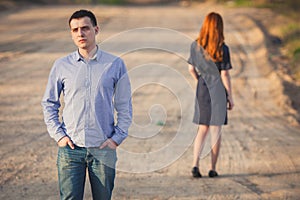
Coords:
pixel 61 138
pixel 112 141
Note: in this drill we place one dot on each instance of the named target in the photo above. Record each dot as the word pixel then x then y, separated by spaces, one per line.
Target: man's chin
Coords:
pixel 82 46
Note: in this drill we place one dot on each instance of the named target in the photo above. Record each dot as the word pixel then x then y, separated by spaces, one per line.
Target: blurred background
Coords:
pixel 286 36
pixel 260 152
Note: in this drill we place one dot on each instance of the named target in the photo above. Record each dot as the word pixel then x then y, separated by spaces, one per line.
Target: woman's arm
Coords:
pixel 225 76
pixel 193 72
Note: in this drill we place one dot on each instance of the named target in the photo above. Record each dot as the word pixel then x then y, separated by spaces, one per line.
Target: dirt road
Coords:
pixel 259 155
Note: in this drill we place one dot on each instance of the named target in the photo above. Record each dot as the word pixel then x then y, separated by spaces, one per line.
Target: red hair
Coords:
pixel 211 36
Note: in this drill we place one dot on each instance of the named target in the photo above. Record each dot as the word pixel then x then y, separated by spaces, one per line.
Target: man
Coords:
pixel 93 83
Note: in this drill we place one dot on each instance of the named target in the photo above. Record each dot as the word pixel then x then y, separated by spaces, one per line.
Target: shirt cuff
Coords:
pixel 59 134
pixel 119 135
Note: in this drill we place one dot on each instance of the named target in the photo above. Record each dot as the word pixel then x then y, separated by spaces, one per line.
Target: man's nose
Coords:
pixel 80 32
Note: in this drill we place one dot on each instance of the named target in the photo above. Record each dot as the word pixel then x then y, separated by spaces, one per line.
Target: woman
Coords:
pixel 209 65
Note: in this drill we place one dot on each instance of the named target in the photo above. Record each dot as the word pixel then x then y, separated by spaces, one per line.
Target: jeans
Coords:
pixel 72 165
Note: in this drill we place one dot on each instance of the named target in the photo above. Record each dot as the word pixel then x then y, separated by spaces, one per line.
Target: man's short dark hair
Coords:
pixel 84 13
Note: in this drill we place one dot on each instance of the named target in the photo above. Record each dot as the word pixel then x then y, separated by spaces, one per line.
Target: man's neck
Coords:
pixel 88 54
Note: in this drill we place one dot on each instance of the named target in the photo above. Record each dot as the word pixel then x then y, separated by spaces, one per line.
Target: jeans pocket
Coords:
pixel 105 156
pixel 109 148
pixel 63 146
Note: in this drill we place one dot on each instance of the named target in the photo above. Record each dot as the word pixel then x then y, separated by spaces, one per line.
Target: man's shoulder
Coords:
pixel 67 58
pixel 106 57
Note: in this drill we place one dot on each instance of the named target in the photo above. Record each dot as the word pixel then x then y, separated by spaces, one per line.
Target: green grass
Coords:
pixel 291 38
pixel 295 65
pixel 113 2
pixel 244 3
pixel 291 42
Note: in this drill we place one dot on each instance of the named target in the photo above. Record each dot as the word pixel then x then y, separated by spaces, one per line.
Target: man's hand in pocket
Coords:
pixel 65 141
pixel 109 143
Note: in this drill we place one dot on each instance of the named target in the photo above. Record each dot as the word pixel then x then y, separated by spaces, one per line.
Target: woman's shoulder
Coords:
pixel 225 47
pixel 194 44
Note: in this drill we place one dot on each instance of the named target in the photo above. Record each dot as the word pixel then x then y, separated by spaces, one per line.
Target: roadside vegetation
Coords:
pixel 283 41
pixel 288 32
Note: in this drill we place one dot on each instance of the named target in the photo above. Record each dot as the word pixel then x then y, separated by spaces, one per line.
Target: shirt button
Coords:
pixel 87 83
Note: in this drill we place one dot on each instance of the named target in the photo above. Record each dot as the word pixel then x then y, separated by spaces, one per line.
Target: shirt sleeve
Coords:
pixel 122 104
pixel 51 105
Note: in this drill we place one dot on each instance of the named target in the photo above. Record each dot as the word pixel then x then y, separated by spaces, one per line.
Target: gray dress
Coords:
pixel 211 98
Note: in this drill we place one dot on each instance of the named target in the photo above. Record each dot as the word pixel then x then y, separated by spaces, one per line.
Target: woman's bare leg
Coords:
pixel 199 143
pixel 215 132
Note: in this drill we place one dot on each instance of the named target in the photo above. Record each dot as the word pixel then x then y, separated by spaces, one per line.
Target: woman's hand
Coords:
pixel 193 72
pixel 230 103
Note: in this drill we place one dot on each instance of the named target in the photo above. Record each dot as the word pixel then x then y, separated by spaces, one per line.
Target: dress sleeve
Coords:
pixel 191 59
pixel 226 63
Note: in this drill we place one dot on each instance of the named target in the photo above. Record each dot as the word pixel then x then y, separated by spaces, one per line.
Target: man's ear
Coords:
pixel 97 29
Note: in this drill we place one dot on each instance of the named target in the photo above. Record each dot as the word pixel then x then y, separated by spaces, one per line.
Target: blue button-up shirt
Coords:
pixel 92 91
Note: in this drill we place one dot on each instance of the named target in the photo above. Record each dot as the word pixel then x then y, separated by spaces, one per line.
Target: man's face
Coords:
pixel 83 33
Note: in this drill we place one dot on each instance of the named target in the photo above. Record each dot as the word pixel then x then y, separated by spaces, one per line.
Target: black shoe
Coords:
pixel 196 173
pixel 212 173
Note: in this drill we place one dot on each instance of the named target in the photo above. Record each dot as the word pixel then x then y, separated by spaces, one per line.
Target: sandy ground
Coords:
pixel 260 149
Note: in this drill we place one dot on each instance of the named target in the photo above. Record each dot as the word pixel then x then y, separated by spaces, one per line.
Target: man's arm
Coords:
pixel 123 106
pixel 51 105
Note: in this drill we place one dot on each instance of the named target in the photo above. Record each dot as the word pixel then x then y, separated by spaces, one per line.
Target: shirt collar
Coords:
pixel 96 57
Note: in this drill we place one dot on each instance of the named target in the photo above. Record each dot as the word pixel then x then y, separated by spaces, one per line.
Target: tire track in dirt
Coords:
pixel 263 109
pixel 259 122
pixel 264 120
